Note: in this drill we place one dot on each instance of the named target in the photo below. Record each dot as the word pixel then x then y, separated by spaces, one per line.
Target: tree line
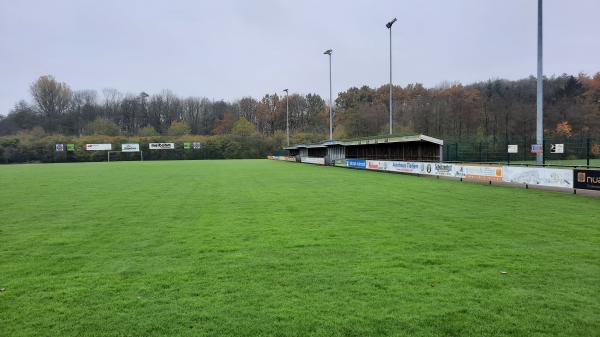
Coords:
pixel 494 111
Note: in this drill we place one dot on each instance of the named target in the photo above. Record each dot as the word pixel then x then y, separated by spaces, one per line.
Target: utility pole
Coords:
pixel 287 116
pixel 389 26
pixel 329 52
pixel 540 88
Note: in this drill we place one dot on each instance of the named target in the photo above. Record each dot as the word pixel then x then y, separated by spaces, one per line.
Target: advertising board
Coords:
pixel 375 165
pixel 130 147
pixel 478 172
pixel 557 148
pixel 59 147
pixel 340 162
pixel 439 169
pixel 403 166
pixel 98 147
pixel 587 179
pixel 356 163
pixel 538 176
pixel 537 148
pixel 196 145
pixel 161 146
pixel 513 148
pixel 313 160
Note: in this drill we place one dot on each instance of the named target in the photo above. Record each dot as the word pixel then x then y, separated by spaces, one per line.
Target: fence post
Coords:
pixel 544 152
pixel 456 152
pixel 525 149
pixel 480 154
pixel 588 146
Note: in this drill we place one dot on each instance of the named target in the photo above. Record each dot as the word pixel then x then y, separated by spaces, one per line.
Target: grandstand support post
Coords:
pixel 587 152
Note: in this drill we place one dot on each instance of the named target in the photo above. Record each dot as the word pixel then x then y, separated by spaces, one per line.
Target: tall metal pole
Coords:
pixel 389 26
pixel 540 87
pixel 330 102
pixel 391 80
pixel 287 116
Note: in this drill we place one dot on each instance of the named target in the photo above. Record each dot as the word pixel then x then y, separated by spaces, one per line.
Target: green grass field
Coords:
pixel 265 248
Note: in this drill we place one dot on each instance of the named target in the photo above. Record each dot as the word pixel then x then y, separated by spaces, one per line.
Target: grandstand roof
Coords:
pixel 364 141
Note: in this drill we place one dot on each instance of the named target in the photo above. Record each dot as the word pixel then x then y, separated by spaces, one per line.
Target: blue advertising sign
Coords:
pixel 537 148
pixel 356 163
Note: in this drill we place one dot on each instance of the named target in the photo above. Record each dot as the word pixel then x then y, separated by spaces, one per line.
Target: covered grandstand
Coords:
pixel 406 148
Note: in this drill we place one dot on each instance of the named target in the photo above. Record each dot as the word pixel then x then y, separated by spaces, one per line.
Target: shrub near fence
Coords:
pixel 26 148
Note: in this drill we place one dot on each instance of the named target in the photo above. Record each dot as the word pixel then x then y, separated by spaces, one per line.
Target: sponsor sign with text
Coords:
pixel 187 146
pixel 98 147
pixel 130 147
pixel 587 179
pixel 375 165
pixel 356 163
pixel 513 148
pixel 538 176
pixel 443 169
pixel 161 146
pixel 196 145
pixel 537 148
pixel 478 172
pixel 403 166
pixel 557 148
pixel 71 147
pixel 59 147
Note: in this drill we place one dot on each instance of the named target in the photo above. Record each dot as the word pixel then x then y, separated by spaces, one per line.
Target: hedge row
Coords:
pixel 28 148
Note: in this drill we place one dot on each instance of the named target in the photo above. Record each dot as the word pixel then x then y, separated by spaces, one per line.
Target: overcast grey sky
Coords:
pixel 230 49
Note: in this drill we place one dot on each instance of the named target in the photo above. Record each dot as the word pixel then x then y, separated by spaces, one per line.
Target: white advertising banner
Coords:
pixel 161 146
pixel 376 165
pixel 538 176
pixel 513 149
pixel 313 160
pixel 98 147
pixel 130 147
pixel 403 166
pixel 478 172
pixel 438 169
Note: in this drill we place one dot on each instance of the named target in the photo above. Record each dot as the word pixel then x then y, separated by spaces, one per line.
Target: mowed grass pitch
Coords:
pixel 264 248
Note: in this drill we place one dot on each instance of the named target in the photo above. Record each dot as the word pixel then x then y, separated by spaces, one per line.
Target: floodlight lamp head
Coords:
pixel 389 24
pixel 143 94
pixel 285 90
pixel 328 52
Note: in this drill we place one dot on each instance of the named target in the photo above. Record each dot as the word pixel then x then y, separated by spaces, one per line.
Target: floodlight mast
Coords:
pixel 540 88
pixel 389 26
pixel 329 52
pixel 287 116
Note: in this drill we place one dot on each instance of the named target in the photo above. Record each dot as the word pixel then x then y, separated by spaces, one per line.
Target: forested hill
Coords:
pixel 494 110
